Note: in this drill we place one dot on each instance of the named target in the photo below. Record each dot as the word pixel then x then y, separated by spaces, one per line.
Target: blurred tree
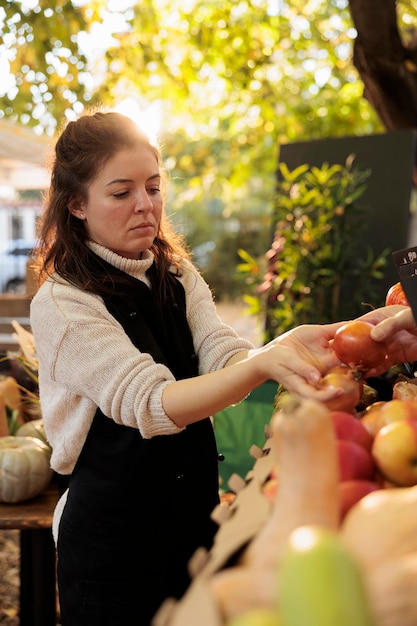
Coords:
pixel 233 79
pixel 386 58
pixel 48 72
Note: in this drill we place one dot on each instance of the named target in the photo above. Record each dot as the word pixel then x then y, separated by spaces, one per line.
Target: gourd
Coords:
pixel 24 468
pixel 304 442
pixel 9 389
pixel 382 526
pixel 34 428
pixel 321 583
pixel 4 426
pixel 257 617
pixel 392 589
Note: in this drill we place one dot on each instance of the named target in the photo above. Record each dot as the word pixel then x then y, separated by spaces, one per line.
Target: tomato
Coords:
pixel 342 377
pixel 396 295
pixel 354 346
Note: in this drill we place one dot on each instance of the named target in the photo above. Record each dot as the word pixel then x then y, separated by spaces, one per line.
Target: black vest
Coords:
pixel 148 501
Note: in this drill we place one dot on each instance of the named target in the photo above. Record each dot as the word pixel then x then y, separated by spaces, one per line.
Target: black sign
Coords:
pixel 406 264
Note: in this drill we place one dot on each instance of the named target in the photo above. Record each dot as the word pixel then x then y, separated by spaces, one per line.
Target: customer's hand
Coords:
pixel 396 326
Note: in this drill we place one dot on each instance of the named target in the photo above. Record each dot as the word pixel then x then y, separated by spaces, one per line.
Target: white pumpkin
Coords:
pixel 34 428
pixel 24 468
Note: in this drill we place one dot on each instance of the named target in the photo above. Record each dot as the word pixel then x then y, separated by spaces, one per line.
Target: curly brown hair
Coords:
pixel 82 149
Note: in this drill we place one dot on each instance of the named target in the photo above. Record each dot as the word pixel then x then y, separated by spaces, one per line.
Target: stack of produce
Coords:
pixel 24 451
pixel 323 531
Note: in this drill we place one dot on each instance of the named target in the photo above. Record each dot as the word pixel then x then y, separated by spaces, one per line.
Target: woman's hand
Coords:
pixel 303 356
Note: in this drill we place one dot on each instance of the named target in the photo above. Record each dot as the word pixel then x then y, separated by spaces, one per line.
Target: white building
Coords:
pixel 23 158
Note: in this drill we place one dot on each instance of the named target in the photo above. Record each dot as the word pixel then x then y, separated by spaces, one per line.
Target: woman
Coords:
pixel 133 360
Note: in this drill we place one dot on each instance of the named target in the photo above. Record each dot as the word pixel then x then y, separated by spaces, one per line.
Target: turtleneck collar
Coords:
pixel 134 267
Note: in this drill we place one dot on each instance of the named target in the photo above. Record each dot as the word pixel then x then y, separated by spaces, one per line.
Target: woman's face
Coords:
pixel 125 203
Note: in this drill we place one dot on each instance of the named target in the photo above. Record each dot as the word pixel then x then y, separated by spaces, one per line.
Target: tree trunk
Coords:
pixel 386 63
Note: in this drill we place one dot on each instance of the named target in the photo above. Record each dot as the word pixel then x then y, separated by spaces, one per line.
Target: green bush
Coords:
pixel 318 269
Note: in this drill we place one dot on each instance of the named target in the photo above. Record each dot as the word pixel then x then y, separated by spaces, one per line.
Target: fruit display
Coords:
pixel 323 529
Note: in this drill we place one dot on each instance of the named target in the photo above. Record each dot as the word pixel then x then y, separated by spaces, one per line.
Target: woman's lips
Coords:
pixel 142 226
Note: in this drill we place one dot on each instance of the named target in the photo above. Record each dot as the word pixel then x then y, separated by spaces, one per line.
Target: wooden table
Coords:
pixel 37 556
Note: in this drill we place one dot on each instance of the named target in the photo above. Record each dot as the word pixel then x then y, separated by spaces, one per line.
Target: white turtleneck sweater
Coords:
pixel 87 361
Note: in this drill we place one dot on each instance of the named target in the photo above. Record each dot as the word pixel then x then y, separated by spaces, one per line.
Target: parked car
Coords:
pixel 14 256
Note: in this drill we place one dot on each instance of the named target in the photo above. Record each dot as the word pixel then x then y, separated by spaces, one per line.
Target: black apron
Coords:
pixel 138 508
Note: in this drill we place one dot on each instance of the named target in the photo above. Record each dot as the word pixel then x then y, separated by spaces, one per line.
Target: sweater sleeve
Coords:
pixel 214 341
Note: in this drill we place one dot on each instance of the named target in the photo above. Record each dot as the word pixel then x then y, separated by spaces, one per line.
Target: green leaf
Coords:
pixel 12 420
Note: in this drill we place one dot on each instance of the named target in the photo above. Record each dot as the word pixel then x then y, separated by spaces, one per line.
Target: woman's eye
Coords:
pixel 121 194
pixel 154 190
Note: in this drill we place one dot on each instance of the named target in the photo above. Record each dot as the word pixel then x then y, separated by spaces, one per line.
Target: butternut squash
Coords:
pixel 382 526
pixel 302 446
pixel 240 589
pixel 196 607
pixel 304 443
pixel 4 426
pixel 9 389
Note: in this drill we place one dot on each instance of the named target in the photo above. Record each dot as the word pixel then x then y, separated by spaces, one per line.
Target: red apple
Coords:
pixel 395 452
pixel 351 491
pixel 349 427
pixel 355 461
pixel 396 295
pixel 269 488
pixel 274 471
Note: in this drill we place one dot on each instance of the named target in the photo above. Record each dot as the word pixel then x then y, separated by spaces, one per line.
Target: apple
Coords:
pixel 349 427
pixel 269 488
pixel 387 412
pixel 395 452
pixel 274 471
pixel 351 491
pixel 396 295
pixel 371 418
pixel 227 498
pixel 355 461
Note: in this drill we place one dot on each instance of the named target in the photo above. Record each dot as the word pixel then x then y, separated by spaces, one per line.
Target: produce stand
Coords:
pixel 298 554
pixel 37 556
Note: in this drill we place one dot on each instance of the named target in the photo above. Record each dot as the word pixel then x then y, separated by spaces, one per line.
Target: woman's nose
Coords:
pixel 143 202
